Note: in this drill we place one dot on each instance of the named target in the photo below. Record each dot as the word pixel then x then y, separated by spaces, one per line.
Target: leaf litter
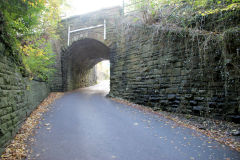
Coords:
pixel 17 149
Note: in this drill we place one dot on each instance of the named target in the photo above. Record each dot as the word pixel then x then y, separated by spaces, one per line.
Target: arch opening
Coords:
pixel 103 75
pixel 78 63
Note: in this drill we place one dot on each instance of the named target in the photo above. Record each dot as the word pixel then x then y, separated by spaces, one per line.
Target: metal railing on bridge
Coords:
pixel 87 28
pixel 131 6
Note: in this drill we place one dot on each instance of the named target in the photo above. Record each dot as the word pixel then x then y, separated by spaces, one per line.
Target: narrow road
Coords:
pixel 84 125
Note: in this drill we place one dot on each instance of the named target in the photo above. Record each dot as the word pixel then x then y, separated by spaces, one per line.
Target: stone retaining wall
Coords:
pixel 178 71
pixel 19 96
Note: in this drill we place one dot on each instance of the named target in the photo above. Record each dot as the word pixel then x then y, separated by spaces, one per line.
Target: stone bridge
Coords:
pixel 85 41
pixel 165 69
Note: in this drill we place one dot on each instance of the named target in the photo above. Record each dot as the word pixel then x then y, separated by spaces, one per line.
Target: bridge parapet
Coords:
pixel 97 25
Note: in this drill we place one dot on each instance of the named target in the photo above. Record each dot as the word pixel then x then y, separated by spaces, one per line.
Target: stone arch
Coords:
pixel 81 33
pixel 78 61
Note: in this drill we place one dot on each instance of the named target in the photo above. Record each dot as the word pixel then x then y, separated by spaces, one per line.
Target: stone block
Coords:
pixel 193 103
pixel 188 96
pixel 1 81
pixel 172 90
pixel 3 102
pixel 176 72
pixel 199 98
pixel 198 108
pixel 177 102
pixel 164 102
pixel 5 118
pixel 171 96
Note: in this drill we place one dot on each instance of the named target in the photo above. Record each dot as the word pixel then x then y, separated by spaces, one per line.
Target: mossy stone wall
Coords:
pixel 178 70
pixel 19 96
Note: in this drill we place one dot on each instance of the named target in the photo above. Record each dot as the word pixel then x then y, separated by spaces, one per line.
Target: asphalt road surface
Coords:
pixel 84 125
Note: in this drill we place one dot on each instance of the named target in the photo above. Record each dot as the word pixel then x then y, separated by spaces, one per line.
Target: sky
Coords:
pixel 85 6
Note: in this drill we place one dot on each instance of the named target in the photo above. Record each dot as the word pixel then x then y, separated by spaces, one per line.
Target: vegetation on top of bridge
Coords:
pixel 211 15
pixel 27 26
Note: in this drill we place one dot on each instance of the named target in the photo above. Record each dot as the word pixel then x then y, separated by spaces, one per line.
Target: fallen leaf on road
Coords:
pixel 215 133
pixel 17 149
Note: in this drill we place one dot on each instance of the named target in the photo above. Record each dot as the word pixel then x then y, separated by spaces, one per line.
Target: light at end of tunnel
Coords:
pixel 103 70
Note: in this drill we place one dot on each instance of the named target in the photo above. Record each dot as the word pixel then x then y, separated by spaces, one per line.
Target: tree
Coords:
pixel 27 28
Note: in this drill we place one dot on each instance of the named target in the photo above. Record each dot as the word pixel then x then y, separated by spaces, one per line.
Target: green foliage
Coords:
pixel 27 27
pixel 182 12
pixel 38 59
pixel 19 18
